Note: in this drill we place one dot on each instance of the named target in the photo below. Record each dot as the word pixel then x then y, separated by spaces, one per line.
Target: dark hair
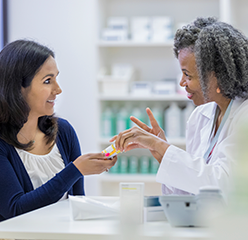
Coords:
pixel 219 48
pixel 19 62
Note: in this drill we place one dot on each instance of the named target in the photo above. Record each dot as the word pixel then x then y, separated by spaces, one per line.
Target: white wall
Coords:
pixel 69 28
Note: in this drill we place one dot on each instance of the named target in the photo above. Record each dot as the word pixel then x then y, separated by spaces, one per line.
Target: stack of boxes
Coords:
pixel 142 29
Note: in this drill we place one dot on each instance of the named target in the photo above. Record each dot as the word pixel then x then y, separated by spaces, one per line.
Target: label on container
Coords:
pixel 111 150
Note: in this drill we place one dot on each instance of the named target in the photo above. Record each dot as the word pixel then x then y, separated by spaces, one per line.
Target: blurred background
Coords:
pixel 115 58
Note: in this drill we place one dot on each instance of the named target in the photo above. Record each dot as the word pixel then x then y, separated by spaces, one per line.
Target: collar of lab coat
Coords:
pixel 209 113
pixel 236 103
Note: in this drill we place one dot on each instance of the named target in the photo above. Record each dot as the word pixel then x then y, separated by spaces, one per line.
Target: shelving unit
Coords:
pixel 153 61
pixel 152 97
pixel 173 141
pixel 134 44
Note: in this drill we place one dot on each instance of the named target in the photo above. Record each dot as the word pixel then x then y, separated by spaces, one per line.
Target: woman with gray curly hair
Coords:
pixel 213 57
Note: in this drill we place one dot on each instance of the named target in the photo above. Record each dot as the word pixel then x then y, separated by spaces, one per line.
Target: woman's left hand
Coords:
pixel 136 137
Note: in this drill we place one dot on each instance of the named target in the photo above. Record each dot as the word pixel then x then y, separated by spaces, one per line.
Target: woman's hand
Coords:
pixel 94 163
pixel 143 137
pixel 136 137
pixel 156 129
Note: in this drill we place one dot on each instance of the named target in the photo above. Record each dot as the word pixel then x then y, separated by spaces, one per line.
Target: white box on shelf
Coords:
pixel 122 71
pixel 114 88
pixel 165 87
pixel 161 22
pixel 161 36
pixel 141 88
pixel 118 23
pixel 117 84
pixel 140 23
pixel 114 35
pixel 141 36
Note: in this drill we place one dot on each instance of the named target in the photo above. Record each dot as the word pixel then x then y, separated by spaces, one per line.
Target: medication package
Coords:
pixel 111 151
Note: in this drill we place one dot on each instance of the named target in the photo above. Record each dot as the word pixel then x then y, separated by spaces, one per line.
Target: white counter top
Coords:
pixel 54 222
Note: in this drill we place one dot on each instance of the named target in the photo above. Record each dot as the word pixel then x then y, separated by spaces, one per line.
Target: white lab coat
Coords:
pixel 184 172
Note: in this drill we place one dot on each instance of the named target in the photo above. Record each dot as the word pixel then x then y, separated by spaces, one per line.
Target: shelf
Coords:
pixel 152 97
pixel 112 177
pixel 134 44
pixel 173 141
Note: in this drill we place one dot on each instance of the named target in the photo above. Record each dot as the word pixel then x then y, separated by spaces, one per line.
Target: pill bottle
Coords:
pixel 111 151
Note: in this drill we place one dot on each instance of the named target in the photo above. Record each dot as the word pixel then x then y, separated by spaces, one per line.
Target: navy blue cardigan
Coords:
pixel 17 195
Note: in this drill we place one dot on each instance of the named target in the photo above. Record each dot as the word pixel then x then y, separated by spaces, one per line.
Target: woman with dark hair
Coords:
pixel 40 156
pixel 213 57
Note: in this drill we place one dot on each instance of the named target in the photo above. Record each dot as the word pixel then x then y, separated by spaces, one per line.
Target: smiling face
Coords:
pixel 42 92
pixel 190 78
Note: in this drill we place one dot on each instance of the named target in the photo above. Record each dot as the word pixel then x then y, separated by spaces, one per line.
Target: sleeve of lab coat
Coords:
pixel 183 171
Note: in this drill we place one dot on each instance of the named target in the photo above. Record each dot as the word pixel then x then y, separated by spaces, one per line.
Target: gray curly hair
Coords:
pixel 219 48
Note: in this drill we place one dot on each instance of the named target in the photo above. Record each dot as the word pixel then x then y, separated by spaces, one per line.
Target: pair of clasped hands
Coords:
pixel 140 136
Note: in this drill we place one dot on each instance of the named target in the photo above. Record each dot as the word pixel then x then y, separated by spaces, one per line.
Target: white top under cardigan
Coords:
pixel 184 172
pixel 41 168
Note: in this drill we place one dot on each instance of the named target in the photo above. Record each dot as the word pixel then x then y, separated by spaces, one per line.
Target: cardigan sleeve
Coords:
pixel 69 147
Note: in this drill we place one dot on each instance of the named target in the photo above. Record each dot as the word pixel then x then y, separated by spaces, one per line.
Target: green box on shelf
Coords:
pixel 154 166
pixel 123 164
pixel 144 164
pixel 115 168
pixel 133 164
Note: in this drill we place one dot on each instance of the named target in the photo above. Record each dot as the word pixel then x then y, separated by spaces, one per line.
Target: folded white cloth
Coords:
pixel 83 207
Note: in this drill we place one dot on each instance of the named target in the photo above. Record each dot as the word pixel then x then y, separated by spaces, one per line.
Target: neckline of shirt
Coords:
pixel 37 155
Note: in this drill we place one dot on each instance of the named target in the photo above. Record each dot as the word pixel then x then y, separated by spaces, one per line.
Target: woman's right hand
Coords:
pixel 144 134
pixel 155 129
pixel 137 137
pixel 94 163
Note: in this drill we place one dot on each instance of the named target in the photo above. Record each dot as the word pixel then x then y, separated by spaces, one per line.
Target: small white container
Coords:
pixel 114 35
pixel 118 23
pixel 141 35
pixel 132 203
pixel 114 88
pixel 140 23
pixel 161 23
pixel 117 84
pixel 141 88
pixel 161 36
pixel 165 87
